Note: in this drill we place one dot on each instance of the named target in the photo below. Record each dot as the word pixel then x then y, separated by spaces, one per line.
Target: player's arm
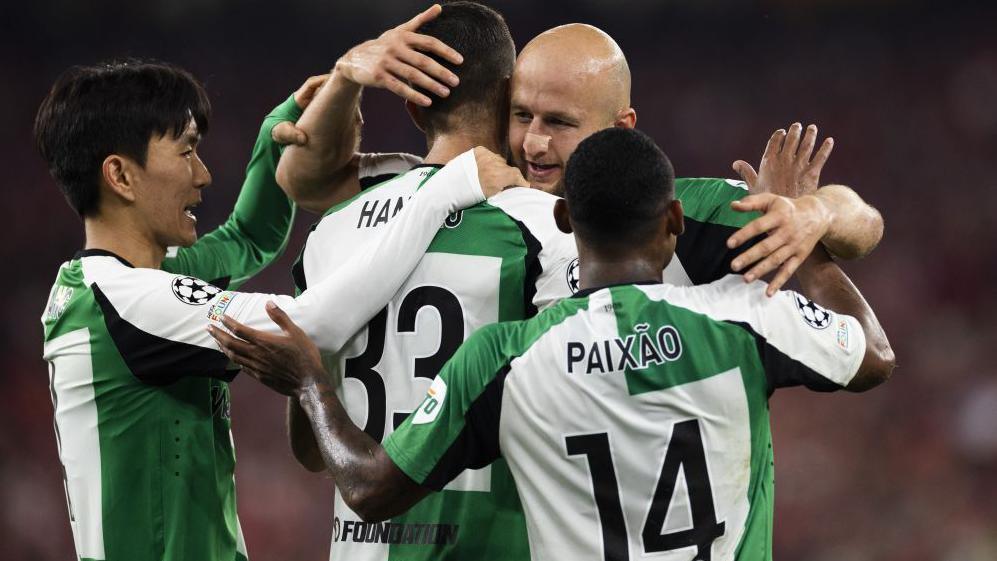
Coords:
pixel 257 231
pixel 797 215
pixel 822 281
pixel 453 429
pixel 326 170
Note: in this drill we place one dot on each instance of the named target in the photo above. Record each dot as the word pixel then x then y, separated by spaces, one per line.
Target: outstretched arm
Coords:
pixel 325 170
pixel 368 480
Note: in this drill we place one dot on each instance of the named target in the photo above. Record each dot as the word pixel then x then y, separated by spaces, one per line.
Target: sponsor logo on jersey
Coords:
pixel 843 334
pixel 357 531
pixel 573 275
pixel 636 351
pixel 195 292
pixel 375 212
pixel 217 310
pixel 454 219
pixel 430 407
pixel 814 315
pixel 60 300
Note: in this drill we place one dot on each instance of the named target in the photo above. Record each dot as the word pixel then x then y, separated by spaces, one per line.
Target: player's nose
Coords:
pixel 202 177
pixel 535 145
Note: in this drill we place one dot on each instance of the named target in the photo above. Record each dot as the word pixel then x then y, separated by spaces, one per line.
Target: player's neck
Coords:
pixel 124 241
pixel 445 147
pixel 603 270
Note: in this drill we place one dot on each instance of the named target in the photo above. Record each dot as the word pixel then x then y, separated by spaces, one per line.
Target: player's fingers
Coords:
pixel 428 14
pixel 236 349
pixel 757 252
pixel 774 145
pixel 243 331
pixel 286 133
pixel 755 201
pixel 823 153
pixel 747 173
pixel 769 264
pixel 416 77
pixel 432 45
pixel 404 91
pixel 753 229
pixel 783 276
pixel 430 67
pixel 807 144
pixel 280 317
pixel 792 140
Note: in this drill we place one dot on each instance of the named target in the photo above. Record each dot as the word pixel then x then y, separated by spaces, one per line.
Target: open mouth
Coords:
pixel 189 212
pixel 541 170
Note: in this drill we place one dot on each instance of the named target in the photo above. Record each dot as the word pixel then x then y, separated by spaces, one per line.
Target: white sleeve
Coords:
pixel 800 342
pixel 553 252
pixel 334 309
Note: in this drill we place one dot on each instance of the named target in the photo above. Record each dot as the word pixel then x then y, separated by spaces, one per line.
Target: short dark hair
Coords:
pixel 482 37
pixel 112 108
pixel 618 184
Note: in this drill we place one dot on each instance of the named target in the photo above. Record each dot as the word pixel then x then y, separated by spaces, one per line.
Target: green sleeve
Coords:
pixel 457 424
pixel 257 231
pixel 709 221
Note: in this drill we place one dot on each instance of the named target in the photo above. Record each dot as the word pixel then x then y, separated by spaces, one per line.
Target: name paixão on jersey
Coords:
pixel 636 351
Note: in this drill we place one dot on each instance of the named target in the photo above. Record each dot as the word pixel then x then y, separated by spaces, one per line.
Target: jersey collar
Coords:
pixel 102 253
pixel 589 291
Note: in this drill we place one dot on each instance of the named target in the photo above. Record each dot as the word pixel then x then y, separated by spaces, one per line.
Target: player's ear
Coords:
pixel 418 117
pixel 675 217
pixel 626 118
pixel 561 216
pixel 119 174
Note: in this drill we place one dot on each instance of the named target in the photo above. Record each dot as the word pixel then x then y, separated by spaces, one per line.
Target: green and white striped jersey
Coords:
pixel 140 388
pixel 499 261
pixel 634 418
pixel 141 414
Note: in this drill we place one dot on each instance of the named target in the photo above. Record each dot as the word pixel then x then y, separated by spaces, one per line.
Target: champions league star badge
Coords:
pixel 193 291
pixel 815 316
pixel 572 275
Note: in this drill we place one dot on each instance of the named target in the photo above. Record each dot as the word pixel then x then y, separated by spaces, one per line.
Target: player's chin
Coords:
pixel 550 185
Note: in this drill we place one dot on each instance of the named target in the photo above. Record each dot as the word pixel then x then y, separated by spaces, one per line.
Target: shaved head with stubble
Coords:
pixel 568 83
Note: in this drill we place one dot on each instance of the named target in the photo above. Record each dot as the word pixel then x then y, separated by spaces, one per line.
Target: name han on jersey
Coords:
pixel 376 212
pixel 637 351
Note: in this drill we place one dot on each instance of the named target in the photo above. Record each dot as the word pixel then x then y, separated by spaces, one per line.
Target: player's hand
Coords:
pixel 786 167
pixel 286 132
pixel 396 61
pixel 794 227
pixel 494 173
pixel 285 363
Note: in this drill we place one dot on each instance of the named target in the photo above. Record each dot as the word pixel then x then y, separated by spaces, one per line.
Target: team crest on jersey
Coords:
pixel 59 302
pixel 454 219
pixel 815 316
pixel 195 292
pixel 573 276
pixel 430 407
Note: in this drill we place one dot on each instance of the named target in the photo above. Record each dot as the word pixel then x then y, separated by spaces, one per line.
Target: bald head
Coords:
pixel 568 83
pixel 583 52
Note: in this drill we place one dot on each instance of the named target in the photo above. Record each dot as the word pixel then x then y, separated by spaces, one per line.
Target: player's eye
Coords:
pixel 554 122
pixel 523 116
pixel 187 153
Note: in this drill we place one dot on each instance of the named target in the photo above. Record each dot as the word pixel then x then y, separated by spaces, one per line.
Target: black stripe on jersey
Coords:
pixel 298 269
pixel 478 444
pixel 370 181
pixel 702 250
pixel 157 361
pixel 222 282
pixel 532 266
pixel 781 371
